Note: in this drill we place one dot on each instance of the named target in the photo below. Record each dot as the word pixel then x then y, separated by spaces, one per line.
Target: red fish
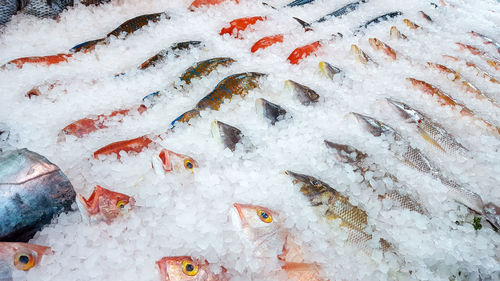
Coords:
pixel 171 161
pixel 185 268
pixel 381 46
pixel 303 52
pixel 266 42
pixel 237 25
pixel 133 145
pixel 199 3
pixel 45 60
pixel 493 62
pixel 19 256
pixel 103 205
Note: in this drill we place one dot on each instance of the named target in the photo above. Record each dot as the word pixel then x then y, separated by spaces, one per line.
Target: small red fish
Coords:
pixel 171 161
pixel 20 256
pixel 237 25
pixel 303 52
pixel 381 46
pixel 199 3
pixel 134 145
pixel 493 62
pixel 103 205
pixel 185 268
pixel 45 60
pixel 266 42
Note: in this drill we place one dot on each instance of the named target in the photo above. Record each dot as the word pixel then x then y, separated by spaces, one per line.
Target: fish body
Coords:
pixel 417 160
pixel 350 155
pixel 33 191
pixel 200 3
pixel 44 60
pixel 38 8
pixel 179 268
pixel 395 34
pixel 237 25
pixel 273 112
pixel 342 11
pixel 479 72
pixel 171 161
pixel 299 3
pixel 132 145
pixel 410 24
pixel 204 68
pixel 381 46
pixel 384 17
pixel 493 62
pixel 19 256
pixel 425 16
pixel 301 53
pixel 162 55
pixel 428 129
pixel 328 70
pixel 360 56
pixel 226 134
pixel 486 40
pixel 266 42
pixel 104 205
pixel 304 94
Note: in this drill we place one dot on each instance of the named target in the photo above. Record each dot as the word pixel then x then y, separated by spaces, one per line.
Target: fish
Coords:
pixel 127 28
pixel 328 70
pixel 200 3
pixel 331 205
pixel 10 8
pixel 168 161
pixel 357 159
pixel 384 17
pixel 266 42
pixel 304 94
pixel 38 8
pixel 464 84
pixel 414 158
pixel 238 25
pixel 360 56
pixel 410 24
pixel 273 112
pixel 34 191
pixel 178 268
pixel 478 71
pixel 303 52
pixel 103 205
pixel 236 84
pixel 491 61
pixel 430 131
pixel 226 134
pixel 299 3
pixel 395 34
pixel 38 60
pixel 161 56
pixel 381 46
pixel 132 145
pixel 486 39
pixel 342 11
pixel 446 100
pixel 19 256
pixel 204 68
pixel 425 16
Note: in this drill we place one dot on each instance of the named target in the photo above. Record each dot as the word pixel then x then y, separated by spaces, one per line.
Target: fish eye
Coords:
pixel 189 268
pixel 315 182
pixel 265 217
pixel 121 204
pixel 24 261
pixel 188 164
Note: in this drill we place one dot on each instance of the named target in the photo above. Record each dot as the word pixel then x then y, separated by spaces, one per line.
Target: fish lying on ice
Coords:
pixel 19 256
pixel 168 161
pixel 104 205
pixel 204 68
pixel 470 65
pixel 34 191
pixel 329 70
pixel 357 159
pixel 487 40
pixel 381 18
pixel 302 52
pixel 396 34
pixel 38 8
pixel 38 60
pixel 360 56
pixel 417 160
pixel 304 94
pixel 238 25
pixel 273 112
pixel 428 129
pixel 200 3
pixel 226 134
pixel 342 11
pixel 493 62
pixel 179 268
pixel 381 46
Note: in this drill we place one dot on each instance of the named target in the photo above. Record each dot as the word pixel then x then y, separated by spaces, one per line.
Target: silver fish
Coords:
pixel 226 134
pixel 355 158
pixel 429 130
pixel 270 110
pixel 10 7
pixel 487 40
pixel 305 94
pixel 416 159
pixel 46 8
pixel 32 192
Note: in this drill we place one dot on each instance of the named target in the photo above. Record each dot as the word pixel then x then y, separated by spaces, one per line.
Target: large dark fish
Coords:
pixel 39 8
pixel 384 17
pixel 342 11
pixel 128 27
pixel 32 192
pixel 299 3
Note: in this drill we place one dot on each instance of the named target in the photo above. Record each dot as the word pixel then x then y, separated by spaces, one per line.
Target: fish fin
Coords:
pixel 429 139
pixel 82 203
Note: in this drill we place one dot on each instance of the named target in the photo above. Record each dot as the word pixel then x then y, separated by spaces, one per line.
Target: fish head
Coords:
pixel 179 268
pixel 375 127
pixel 172 161
pixel 310 185
pixel 260 226
pixel 406 112
pixel 186 116
pixel 226 134
pixel 22 256
pixel 345 153
pixel 305 94
pixel 105 202
pixel 328 70
pixel 269 110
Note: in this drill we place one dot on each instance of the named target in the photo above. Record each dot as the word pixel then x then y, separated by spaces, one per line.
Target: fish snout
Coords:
pixel 297 177
pixel 370 124
pixel 345 153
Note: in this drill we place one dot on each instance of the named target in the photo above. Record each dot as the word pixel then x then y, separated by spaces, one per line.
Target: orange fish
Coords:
pixel 133 145
pixel 237 25
pixel 493 62
pixel 185 268
pixel 410 24
pixel 171 161
pixel 479 71
pixel 199 3
pixel 103 205
pixel 303 52
pixel 381 46
pixel 19 256
pixel 45 60
pixel 266 42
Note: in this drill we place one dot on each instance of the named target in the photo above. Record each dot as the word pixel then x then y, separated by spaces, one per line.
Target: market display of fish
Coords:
pixel 32 192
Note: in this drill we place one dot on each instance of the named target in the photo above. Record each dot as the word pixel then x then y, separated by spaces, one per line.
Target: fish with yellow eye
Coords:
pixel 168 161
pixel 19 256
pixel 104 205
pixel 180 268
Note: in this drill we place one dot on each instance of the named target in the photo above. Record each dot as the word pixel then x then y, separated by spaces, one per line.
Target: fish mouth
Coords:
pixel 371 124
pixel 297 177
pixel 344 152
pixel 402 108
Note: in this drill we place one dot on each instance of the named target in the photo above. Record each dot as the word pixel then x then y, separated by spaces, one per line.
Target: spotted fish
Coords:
pixel 38 8
pixel 162 55
pixel 204 68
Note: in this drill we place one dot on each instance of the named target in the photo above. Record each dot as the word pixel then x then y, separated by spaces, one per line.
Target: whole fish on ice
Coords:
pixel 179 268
pixel 32 192
pixel 104 205
pixel 15 256
pixel 168 161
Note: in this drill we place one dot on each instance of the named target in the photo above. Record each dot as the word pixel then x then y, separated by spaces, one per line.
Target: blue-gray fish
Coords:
pixel 39 8
pixel 32 192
